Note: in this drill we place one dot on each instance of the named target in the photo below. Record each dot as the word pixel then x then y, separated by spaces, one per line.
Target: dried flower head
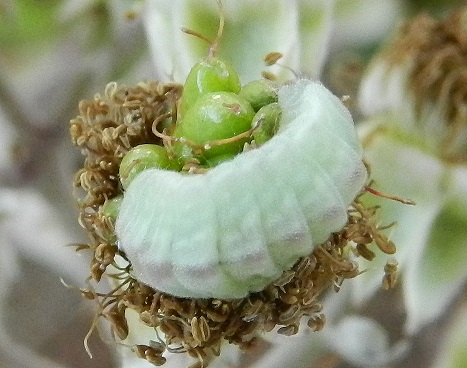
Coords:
pixel 109 126
pixel 435 53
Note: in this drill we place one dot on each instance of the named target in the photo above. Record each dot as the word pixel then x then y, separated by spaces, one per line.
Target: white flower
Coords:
pixel 304 31
pixel 31 229
pixel 415 141
pixel 47 62
pixel 300 30
pixel 360 23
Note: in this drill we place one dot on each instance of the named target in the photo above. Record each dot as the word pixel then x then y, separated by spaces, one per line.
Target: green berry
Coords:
pixel 216 116
pixel 218 160
pixel 269 118
pixel 182 151
pixel 143 157
pixel 259 93
pixel 111 207
pixel 211 75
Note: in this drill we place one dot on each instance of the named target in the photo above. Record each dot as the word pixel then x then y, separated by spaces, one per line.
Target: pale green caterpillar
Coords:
pixel 237 227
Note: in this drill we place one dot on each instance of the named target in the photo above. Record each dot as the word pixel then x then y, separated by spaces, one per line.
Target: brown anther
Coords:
pixel 253 308
pixel 139 350
pixel 200 329
pixel 116 316
pixel 306 265
pixel 317 323
pixel 148 318
pixel 105 253
pixel 314 308
pixel 285 278
pixel 390 274
pixel 216 316
pixel 88 294
pixel 288 298
pixel 363 251
pixel 154 358
pixel 288 330
pixel 268 75
pixel 272 58
pixel 293 290
pixel 171 327
pixel 384 244
pixel 157 347
pixel 96 271
pixel 290 313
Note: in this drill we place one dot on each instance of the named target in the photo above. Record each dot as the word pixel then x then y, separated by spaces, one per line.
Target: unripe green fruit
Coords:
pixel 183 152
pixel 218 160
pixel 269 118
pixel 216 116
pixel 211 75
pixel 111 207
pixel 142 157
pixel 259 93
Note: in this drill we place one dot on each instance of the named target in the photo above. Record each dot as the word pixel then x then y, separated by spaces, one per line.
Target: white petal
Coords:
pixel 33 227
pixel 434 279
pixel 453 351
pixel 297 351
pixel 252 30
pixel 430 237
pixel 363 342
pixel 407 172
pixel 382 88
pixel 13 354
pixel 317 19
pixel 362 22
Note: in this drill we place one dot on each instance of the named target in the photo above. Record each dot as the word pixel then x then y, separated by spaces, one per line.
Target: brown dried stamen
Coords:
pixel 437 52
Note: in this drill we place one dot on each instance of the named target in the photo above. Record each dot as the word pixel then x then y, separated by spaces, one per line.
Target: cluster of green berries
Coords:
pixel 214 108
pixel 216 116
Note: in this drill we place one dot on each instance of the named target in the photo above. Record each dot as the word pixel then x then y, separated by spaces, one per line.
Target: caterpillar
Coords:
pixel 234 229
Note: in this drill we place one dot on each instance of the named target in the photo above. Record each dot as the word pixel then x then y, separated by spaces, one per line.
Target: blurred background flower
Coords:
pixel 56 52
pixel 415 95
pixel 52 54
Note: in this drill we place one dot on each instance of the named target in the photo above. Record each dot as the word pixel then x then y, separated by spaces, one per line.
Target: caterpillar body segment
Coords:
pixel 236 228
